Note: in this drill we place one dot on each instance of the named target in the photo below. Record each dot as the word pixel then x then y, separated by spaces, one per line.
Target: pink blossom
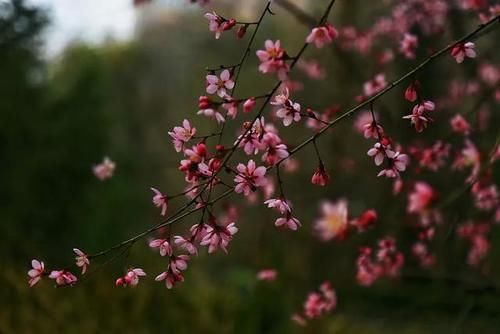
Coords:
pixel 469 157
pixel 273 59
pixel 249 104
pixel 131 277
pixel 387 262
pixel 231 107
pixel 419 116
pixel 333 224
pixel 275 152
pixel 288 110
pixel 182 134
pixel 318 304
pixel 82 260
pixel 479 245
pixel 249 177
pixel 320 176
pixel 397 163
pixel 221 84
pixel 420 198
pixel 379 152
pixel 288 222
pixel 374 86
pixel 160 201
pixel 252 141
pixel 322 35
pixel 218 237
pixel 213 114
pixel 170 277
pixel 218 24
pixel 408 45
pixel 365 220
pixel 63 277
pixel 460 125
pixel 462 50
pixel 280 204
pixel 104 170
pixel 364 124
pixel 185 244
pixel 486 197
pixel 178 263
pixel 372 130
pixel 163 245
pixel 268 275
pixel 411 93
pixel 36 273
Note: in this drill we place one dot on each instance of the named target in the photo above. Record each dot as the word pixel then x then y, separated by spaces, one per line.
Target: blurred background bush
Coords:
pixel 60 115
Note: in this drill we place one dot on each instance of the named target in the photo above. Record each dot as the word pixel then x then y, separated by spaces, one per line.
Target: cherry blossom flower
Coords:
pixel 160 201
pixel 218 237
pixel 273 59
pixel 486 197
pixel 462 50
pixel 475 233
pixel 104 170
pixel 221 84
pixel 63 277
pixel 36 273
pixel 288 110
pixel 163 245
pixel 252 140
pixel 241 32
pixel 185 244
pixel 372 130
pixel 178 263
pixel 460 125
pixel 421 197
pixel 379 152
pixel 249 104
pixel 170 277
pixel 434 157
pixel 386 262
pixel 288 222
pixel 408 45
pixel 280 204
pixel 322 35
pixel 317 304
pixel 182 134
pixel 374 86
pixel 131 277
pixel 82 260
pixel 267 275
pixel 419 116
pixel 421 252
pixel 365 220
pixel 275 152
pixel 213 114
pixel 218 24
pixel 320 176
pixel 249 177
pixel 364 124
pixel 397 163
pixel 333 224
pixel 411 93
pixel 469 157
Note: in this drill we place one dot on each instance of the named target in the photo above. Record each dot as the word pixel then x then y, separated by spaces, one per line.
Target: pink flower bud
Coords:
pixel 249 105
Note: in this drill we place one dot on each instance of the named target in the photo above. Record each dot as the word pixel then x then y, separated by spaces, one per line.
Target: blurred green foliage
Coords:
pixel 58 118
